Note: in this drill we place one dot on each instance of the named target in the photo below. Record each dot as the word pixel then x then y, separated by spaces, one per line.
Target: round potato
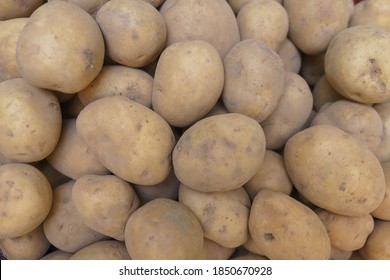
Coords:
pixel 238 4
pixel 129 139
pixel 371 12
pixel 10 9
pixel 57 255
pixel 290 56
pixel 219 153
pixel 383 210
pixel 286 229
pixel 334 171
pixel 323 93
pixel 383 152
pixel 170 231
pixel 102 250
pixel 377 246
pixel 214 251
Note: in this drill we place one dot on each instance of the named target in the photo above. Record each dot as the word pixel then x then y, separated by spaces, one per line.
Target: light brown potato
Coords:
pixel 338 254
pixel 170 231
pixel 26 198
pixel 323 93
pixel 312 68
pixel 334 171
pixel 286 229
pixel 254 79
pixel 357 65
pixel 155 3
pixel 377 246
pixel 90 6
pixel 314 23
pixel 250 256
pixel 134 31
pixel 30 121
pixel 60 48
pixel 104 203
pixel 219 153
pixel 188 82
pixel 210 21
pixel 63 227
pixel 271 175
pixel 57 255
pixel 290 56
pixel 10 9
pixel 102 250
pixel 383 152
pixel 251 246
pixel 236 5
pixel 214 251
pixel 383 210
pixel 371 12
pixel 291 113
pixel 346 233
pixel 145 157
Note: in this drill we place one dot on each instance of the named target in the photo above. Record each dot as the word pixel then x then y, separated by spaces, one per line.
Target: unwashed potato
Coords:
pixel 290 56
pixel 170 231
pixel 323 93
pixel 383 210
pixel 214 251
pixel 60 48
pixel 57 255
pixel 371 12
pixel 10 9
pixel 188 82
pixel 26 197
pixel 284 228
pixel 383 152
pixel 219 153
pixel 103 250
pixel 249 256
pixel 254 79
pixel 90 6
pixel 334 170
pixel 377 246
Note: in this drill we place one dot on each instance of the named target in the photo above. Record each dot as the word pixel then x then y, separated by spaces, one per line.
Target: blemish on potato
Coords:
pixel 269 236
pixel 90 58
pixel 342 186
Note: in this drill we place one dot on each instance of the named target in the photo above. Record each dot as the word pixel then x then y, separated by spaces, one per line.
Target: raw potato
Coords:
pixel 254 79
pixel 323 93
pixel 112 80
pixel 286 229
pixel 314 23
pixel 383 152
pixel 219 153
pixel 54 177
pixel 134 31
pixel 155 3
pixel 377 246
pixel 30 121
pixel 57 255
pixel 223 215
pixel 210 21
pixel 188 82
pixel 129 139
pixel 171 231
pixel 357 65
pixel 290 56
pixel 338 254
pixel 383 210
pixel 104 203
pixel 90 6
pixel 63 227
pixel 26 197
pixel 371 12
pixel 334 171
pixel 60 48
pixel 214 251
pixel 238 4
pixel 103 250
pixel 10 9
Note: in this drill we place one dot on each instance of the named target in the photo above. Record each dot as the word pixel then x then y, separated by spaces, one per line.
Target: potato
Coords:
pixel 334 171
pixel 134 31
pixel 155 3
pixel 377 246
pixel 219 153
pixel 60 48
pixel 102 250
pixel 291 113
pixel 223 215
pixel 383 210
pixel 271 175
pixel 57 255
pixel 54 177
pixel 346 233
pixel 286 229
pixel 323 93
pixel 357 65
pixel 30 121
pixel 30 246
pixel 90 6
pixel 371 12
pixel 218 109
pixel 10 9
pixel 210 21
pixel 383 152
pixel 214 251
pixel 26 198
pixel 251 246
pixel 312 68
pixel 291 57
pixel 72 157
pixel 164 229
pixel 265 20
pixel 132 83
pixel 63 227
pixel 254 79
pixel 143 158
pixel 249 256
pixel 338 254
pixel 238 4
pixel 104 203
pixel 312 25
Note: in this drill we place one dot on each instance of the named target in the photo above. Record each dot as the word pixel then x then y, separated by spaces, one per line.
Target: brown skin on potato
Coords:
pixel 323 93
pixel 90 6
pixel 10 9
pixel 371 12
pixel 214 251
pixel 57 255
pixel 290 56
pixel 377 246
pixel 383 152
pixel 103 250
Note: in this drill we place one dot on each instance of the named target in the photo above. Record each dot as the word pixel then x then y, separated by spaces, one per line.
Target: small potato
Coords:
pixel 371 12
pixel 90 6
pixel 214 251
pixel 286 229
pixel 219 153
pixel 377 246
pixel 383 152
pixel 26 197
pixel 254 79
pixel 57 255
pixel 10 9
pixel 323 93
pixel 164 229
pixel 383 210
pixel 312 68
pixel 102 250
pixel 290 56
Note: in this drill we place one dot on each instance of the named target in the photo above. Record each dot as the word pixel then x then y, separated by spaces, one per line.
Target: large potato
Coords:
pixel 377 246
pixel 60 48
pixel 219 153
pixel 383 210
pixel 334 171
pixel 129 139
pixel 371 12
pixel 10 9
pixel 102 250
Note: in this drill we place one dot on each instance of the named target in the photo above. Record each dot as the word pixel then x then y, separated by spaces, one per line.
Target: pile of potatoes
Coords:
pixel 195 129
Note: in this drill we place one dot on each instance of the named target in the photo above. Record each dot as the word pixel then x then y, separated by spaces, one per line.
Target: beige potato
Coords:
pixel 290 56
pixel 383 152
pixel 371 12
pixel 286 229
pixel 236 5
pixel 383 210
pixel 134 31
pixel 334 171
pixel 104 203
pixel 90 6
pixel 338 254
pixel 164 229
pixel 357 65
pixel 30 121
pixel 60 48
pixel 57 255
pixel 129 139
pixel 10 9
pixel 210 21
pixel 377 246
pixel 214 251
pixel 102 250
pixel 254 79
pixel 251 246
pixel 219 153
pixel 155 3
pixel 26 198
pixel 323 93
pixel 188 82
pixel 218 109
pixel 312 68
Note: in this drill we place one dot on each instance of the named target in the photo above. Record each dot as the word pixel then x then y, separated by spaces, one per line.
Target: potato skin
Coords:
pixel 103 250
pixel 377 246
pixel 371 12
pixel 383 210
pixel 10 9
pixel 383 151
pixel 290 56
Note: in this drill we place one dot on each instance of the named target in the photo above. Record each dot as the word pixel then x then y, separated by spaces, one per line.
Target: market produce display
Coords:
pixel 195 130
